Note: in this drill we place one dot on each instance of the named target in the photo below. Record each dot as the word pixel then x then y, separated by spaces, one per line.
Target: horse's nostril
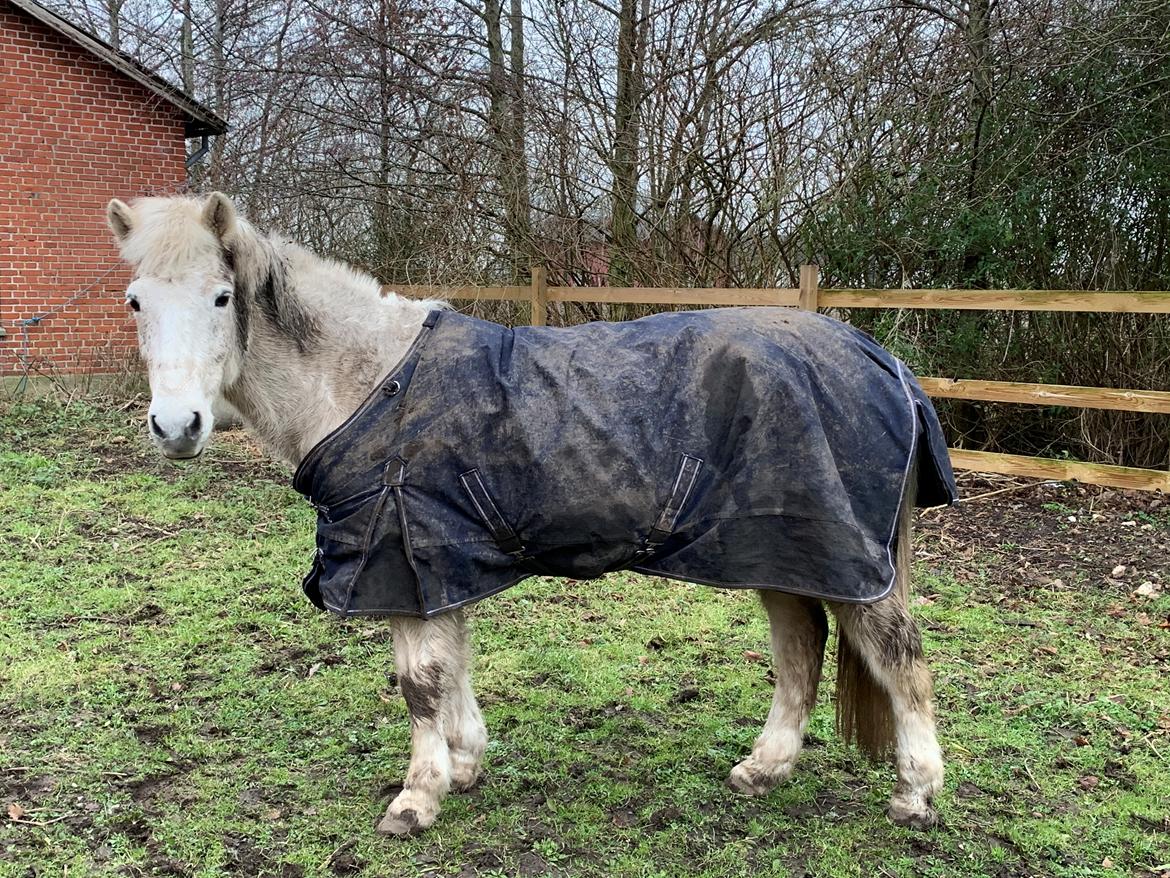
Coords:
pixel 196 423
pixel 155 428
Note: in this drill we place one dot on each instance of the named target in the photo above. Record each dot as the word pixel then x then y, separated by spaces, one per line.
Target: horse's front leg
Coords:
pixel 462 722
pixel 431 658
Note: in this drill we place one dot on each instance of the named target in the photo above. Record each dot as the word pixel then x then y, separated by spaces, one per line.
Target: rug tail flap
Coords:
pixel 936 479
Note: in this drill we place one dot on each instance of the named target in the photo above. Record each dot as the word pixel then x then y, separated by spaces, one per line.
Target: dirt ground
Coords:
pixel 1015 535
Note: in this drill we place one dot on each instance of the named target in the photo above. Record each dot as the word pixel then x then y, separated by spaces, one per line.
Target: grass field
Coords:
pixel 171 705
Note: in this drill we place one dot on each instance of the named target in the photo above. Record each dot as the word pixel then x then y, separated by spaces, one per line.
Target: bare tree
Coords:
pixel 505 86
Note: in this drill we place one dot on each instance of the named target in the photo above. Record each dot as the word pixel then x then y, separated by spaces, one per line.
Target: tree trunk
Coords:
pixel 383 232
pixel 978 37
pixel 218 88
pixel 624 161
pixel 506 122
pixel 518 160
pixel 114 18
pixel 187 50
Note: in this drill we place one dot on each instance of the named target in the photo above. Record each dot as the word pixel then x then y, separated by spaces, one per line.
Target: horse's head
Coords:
pixel 190 333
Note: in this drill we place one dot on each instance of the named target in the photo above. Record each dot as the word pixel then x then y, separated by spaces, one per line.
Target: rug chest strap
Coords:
pixel 496 524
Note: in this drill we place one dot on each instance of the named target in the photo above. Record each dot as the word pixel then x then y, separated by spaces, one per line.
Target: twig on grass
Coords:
pixel 1157 752
pixel 146 525
pixel 1007 490
pixel 24 822
pixel 1031 777
pixel 337 853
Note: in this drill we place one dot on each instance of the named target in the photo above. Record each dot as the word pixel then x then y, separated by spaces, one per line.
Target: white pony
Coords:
pixel 296 342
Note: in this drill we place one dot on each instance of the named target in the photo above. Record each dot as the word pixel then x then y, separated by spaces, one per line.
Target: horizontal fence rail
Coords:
pixel 674 296
pixel 1132 477
pixel 1155 401
pixel 999 300
pixel 810 296
pixel 827 297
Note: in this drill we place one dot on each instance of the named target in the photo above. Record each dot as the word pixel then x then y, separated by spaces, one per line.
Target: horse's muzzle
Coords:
pixel 179 438
pixel 180 451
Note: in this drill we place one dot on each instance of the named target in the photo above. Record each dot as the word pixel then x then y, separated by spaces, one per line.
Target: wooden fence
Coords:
pixel 811 296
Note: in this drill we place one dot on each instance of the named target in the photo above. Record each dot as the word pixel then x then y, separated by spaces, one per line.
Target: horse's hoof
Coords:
pixel 750 781
pixel 411 812
pixel 919 819
pixel 465 783
pixel 400 824
pixel 465 773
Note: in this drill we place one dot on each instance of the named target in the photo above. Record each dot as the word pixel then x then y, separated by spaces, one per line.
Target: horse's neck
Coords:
pixel 291 399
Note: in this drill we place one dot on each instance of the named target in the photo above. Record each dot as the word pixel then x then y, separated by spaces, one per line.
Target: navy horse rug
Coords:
pixel 762 448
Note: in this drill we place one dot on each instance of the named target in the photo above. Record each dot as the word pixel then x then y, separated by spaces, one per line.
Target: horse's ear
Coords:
pixel 120 216
pixel 219 215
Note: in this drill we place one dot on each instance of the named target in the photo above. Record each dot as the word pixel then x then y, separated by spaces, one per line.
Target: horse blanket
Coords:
pixel 747 448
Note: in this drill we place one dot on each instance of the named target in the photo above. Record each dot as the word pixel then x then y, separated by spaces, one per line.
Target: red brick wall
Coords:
pixel 73 134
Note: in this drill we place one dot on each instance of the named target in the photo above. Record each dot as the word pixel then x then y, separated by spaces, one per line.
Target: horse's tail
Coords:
pixel 865 714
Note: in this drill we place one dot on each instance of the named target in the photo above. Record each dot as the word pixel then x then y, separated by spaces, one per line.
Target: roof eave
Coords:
pixel 200 120
pixel 198 128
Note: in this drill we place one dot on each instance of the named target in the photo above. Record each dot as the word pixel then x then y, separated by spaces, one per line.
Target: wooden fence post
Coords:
pixel 809 281
pixel 539 296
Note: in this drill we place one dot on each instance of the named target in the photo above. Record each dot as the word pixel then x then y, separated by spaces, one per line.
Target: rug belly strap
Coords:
pixel 501 531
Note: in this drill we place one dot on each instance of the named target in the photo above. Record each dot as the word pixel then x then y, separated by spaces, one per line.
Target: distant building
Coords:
pixel 80 123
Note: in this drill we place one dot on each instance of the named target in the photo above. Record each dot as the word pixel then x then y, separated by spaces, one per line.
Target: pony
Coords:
pixel 296 342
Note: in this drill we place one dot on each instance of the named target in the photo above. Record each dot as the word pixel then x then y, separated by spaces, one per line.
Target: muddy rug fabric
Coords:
pixel 747 448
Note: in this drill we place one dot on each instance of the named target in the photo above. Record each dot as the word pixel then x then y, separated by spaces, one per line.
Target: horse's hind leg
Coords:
pixel 881 669
pixel 798 644
pixel 430 657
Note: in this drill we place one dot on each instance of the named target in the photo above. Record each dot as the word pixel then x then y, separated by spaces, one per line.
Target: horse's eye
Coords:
pixel 133 303
pixel 222 299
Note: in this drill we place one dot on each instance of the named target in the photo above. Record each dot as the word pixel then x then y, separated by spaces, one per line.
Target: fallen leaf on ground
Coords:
pixel 625 819
pixel 15 812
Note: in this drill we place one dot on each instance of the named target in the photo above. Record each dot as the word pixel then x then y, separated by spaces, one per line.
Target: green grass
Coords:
pixel 171 705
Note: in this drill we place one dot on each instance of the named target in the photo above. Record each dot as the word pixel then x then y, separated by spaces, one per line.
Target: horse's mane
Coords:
pixel 263 281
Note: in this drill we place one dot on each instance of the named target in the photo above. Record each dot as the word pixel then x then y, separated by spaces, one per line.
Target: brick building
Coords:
pixel 79 123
